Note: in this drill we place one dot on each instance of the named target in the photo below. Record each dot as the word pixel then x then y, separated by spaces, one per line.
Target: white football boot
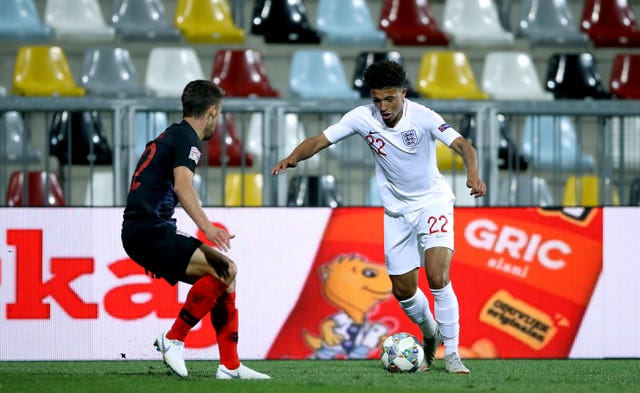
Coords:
pixel 242 372
pixel 454 365
pixel 172 354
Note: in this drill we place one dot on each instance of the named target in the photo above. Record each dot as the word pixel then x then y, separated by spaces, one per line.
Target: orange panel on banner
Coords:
pixel 523 278
pixel 346 307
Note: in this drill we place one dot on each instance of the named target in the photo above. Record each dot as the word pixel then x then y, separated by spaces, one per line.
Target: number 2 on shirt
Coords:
pixel 376 144
pixel 150 151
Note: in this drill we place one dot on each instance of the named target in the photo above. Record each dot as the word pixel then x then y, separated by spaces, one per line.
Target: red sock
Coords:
pixel 224 318
pixel 200 300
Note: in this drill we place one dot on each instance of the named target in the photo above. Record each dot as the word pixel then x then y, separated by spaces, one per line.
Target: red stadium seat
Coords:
pixel 43 189
pixel 411 22
pixel 241 73
pixel 625 76
pixel 610 23
pixel 236 154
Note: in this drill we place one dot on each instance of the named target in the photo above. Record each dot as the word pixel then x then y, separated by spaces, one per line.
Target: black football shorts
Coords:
pixel 161 251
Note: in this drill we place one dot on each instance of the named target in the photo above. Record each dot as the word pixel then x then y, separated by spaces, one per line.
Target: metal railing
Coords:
pixel 605 132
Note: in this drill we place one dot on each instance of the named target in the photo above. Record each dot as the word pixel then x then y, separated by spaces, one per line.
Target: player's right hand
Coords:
pixel 220 237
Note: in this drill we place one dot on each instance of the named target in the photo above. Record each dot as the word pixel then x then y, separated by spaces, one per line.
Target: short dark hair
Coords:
pixel 384 74
pixel 198 96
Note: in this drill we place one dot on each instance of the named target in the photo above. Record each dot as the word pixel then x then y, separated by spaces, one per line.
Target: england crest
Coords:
pixel 410 138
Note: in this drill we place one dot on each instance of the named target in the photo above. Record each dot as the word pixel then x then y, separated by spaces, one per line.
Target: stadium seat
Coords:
pixel 283 21
pixel 78 20
pixel 207 21
pixel 76 138
pixel 509 155
pixel 574 76
pixel 512 76
pixel 447 75
pixel 549 23
pixel 624 82
pixel 411 22
pixel 100 189
pixel 590 190
pixel 17 147
pixel 447 159
pixel 142 21
pixel 43 71
pixel 474 23
pixel 292 132
pixel 170 69
pixel 243 189
pixel 42 189
pixel 505 8
pixel 610 23
pixel 241 73
pixel 551 143
pixel 348 22
pixel 19 21
pixel 365 59
pixel 313 190
pixel 317 73
pixel 149 124
pixel 109 71
pixel 524 190
pixel 233 153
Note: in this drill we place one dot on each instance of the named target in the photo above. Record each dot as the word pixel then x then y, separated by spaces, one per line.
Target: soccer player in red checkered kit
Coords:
pixel 418 203
pixel 164 177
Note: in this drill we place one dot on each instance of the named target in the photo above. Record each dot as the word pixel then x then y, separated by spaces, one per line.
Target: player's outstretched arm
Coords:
pixel 307 149
pixel 470 158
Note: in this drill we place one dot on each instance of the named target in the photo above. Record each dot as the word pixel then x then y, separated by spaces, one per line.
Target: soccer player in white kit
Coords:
pixel 418 203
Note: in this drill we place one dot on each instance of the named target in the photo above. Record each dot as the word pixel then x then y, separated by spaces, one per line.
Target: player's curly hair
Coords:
pixel 198 96
pixel 384 74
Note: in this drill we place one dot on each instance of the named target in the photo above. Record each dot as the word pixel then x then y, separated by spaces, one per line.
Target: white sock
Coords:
pixel 448 317
pixel 417 309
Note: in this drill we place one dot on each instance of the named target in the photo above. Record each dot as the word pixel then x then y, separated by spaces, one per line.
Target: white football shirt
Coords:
pixel 405 155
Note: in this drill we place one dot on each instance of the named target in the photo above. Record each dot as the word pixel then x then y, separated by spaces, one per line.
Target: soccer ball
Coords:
pixel 402 353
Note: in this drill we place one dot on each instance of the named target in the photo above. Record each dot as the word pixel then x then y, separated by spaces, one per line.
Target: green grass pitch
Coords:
pixel 353 376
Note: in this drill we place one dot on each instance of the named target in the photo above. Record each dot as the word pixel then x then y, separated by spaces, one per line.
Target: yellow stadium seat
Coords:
pixel 207 21
pixel 585 191
pixel 447 75
pixel 448 160
pixel 243 190
pixel 43 71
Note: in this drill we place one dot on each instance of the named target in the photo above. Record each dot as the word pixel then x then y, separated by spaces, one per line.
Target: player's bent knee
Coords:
pixel 404 293
pixel 233 270
pixel 438 282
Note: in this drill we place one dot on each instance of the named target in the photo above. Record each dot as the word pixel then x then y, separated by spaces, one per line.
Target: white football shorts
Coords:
pixel 408 236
